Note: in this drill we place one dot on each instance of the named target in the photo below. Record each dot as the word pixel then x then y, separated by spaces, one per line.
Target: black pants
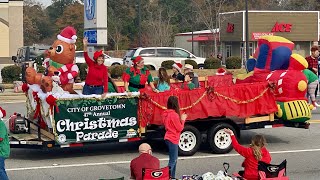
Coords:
pixel 316 91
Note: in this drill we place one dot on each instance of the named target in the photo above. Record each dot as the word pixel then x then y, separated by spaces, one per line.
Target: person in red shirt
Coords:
pixel 313 63
pixel 256 152
pixel 97 77
pixel 174 124
pixel 145 160
pixel 313 59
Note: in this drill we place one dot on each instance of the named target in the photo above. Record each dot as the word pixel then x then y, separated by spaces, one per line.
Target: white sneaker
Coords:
pixel 317 105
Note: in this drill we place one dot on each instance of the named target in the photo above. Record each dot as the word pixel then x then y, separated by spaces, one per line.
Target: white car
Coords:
pixel 109 61
pixel 154 56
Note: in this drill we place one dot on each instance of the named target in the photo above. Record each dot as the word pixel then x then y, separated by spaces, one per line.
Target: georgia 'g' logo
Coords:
pixel 156 174
pixel 273 168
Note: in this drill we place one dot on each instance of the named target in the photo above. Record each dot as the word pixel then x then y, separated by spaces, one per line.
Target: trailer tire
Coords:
pixel 190 140
pixel 220 142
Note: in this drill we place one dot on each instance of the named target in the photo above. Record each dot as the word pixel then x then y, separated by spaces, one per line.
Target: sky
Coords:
pixel 45 2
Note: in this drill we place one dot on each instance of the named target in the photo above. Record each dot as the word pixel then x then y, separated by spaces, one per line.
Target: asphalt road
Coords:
pixel 300 147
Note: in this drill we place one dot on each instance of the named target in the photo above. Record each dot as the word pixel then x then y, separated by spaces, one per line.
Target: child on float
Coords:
pixel 256 152
pixel 177 75
pixel 312 86
pixel 195 80
pixel 188 83
pixel 173 122
pixel 163 81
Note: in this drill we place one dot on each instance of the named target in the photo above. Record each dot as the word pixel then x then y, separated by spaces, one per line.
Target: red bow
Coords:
pixel 25 87
pixel 52 101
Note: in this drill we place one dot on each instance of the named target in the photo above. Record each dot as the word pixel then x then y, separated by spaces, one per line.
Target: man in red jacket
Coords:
pixel 145 160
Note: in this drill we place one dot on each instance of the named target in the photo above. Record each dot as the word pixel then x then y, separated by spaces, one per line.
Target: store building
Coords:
pixel 203 42
pixel 11 29
pixel 300 27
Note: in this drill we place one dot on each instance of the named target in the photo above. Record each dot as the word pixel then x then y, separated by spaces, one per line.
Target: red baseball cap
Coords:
pixel 97 54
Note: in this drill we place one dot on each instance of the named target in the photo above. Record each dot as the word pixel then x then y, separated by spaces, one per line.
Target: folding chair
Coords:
pixel 158 174
pixel 272 172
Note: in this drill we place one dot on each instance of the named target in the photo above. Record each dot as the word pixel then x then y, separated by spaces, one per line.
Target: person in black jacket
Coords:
pixel 176 67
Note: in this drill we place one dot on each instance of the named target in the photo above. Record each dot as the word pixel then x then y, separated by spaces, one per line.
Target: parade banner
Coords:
pixel 89 120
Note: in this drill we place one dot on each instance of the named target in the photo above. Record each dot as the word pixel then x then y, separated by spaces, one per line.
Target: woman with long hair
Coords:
pixel 174 124
pixel 164 80
pixel 256 152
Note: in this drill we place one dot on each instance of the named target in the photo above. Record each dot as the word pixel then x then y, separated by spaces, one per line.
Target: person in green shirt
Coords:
pixel 135 77
pixel 312 85
pixel 188 84
pixel 4 146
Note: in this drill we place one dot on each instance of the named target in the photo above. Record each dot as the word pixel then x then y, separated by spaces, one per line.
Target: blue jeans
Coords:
pixel 87 90
pixel 173 157
pixel 3 174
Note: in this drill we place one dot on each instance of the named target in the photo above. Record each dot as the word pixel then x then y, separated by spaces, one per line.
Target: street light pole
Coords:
pixel 247 32
pixel 192 35
pixel 139 23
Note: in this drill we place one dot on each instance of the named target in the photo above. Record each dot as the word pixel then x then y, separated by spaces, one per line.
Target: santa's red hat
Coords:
pixel 177 66
pixel 137 59
pixel 221 71
pixel 68 35
pixel 2 113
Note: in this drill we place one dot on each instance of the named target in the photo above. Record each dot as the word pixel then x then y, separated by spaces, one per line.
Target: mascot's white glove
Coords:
pixel 56 77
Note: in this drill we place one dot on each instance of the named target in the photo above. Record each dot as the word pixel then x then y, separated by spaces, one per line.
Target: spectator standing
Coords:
pixel 256 152
pixel 164 80
pixel 176 68
pixel 312 85
pixel 4 146
pixel 174 124
pixel 313 62
pixel 195 79
pixel 144 160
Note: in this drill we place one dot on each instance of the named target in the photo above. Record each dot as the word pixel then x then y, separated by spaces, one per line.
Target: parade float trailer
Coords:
pixel 75 120
pixel 271 95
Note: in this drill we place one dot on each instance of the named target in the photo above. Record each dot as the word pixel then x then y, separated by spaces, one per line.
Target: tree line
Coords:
pixel 160 19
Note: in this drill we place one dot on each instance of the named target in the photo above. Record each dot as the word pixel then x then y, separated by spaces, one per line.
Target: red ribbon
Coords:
pixel 52 101
pixel 25 87
pixel 37 99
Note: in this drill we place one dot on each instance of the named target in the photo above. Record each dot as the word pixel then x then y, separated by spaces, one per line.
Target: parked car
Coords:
pixel 154 56
pixel 109 61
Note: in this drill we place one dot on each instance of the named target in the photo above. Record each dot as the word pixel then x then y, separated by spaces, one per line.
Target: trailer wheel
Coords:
pixel 190 140
pixel 220 142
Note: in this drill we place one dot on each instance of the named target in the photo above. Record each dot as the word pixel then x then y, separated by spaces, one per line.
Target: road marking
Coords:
pixel 12 102
pixel 313 121
pixel 163 159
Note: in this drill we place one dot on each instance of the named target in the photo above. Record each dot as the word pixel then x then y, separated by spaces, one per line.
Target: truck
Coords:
pixel 58 120
pixel 27 55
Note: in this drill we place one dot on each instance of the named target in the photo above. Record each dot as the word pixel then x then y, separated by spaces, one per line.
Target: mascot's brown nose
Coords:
pixel 51 48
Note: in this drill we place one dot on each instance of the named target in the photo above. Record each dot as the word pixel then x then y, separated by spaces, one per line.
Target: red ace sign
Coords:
pixel 281 27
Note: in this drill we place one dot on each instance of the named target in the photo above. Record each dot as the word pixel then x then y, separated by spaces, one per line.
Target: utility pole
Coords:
pixel 139 23
pixel 247 33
